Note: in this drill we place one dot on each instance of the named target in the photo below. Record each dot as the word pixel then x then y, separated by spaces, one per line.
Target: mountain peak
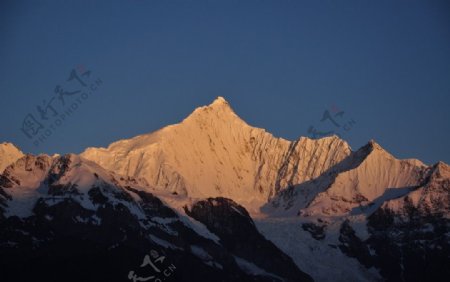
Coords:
pixel 9 153
pixel 9 145
pixel 219 104
pixel 219 109
pixel 219 101
pixel 372 146
pixel 441 169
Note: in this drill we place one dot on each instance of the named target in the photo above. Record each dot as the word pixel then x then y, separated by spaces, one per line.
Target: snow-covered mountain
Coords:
pixel 431 197
pixel 61 215
pixel 9 153
pixel 208 191
pixel 391 215
pixel 364 179
pixel 214 153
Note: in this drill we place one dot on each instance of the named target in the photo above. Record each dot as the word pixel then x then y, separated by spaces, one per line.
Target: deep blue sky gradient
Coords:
pixel 279 63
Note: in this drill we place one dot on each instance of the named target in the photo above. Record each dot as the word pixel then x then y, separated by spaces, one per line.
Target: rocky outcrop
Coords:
pixel 238 234
pixel 353 246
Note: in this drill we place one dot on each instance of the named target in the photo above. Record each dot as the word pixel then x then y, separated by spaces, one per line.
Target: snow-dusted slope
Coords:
pixel 9 153
pixel 325 262
pixel 44 177
pixel 214 153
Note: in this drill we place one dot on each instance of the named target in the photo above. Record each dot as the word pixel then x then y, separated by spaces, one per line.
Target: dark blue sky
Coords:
pixel 280 64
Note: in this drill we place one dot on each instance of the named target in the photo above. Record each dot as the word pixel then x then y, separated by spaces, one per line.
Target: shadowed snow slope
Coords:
pixel 368 175
pixel 432 198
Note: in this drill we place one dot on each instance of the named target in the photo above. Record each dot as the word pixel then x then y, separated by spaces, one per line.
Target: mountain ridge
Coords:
pixel 213 152
pixel 329 208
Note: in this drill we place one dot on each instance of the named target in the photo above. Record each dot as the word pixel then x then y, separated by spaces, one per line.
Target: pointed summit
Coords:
pixel 372 147
pixel 441 169
pixel 220 101
pixel 219 109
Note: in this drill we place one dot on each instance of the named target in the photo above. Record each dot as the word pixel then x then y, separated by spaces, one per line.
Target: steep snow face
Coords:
pixel 430 199
pixel 374 178
pixel 365 179
pixel 9 153
pixel 214 153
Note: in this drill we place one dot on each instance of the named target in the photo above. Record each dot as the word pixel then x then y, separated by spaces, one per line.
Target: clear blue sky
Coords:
pixel 280 64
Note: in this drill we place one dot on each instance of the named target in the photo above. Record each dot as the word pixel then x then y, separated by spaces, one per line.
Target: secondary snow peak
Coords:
pixel 373 148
